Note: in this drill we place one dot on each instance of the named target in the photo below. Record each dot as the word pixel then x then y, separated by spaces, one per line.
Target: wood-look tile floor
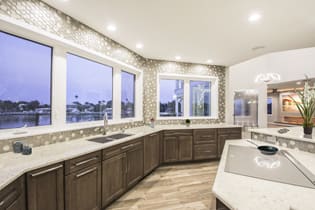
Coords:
pixel 176 187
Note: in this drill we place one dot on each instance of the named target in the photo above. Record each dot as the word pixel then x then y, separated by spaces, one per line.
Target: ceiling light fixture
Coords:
pixel 111 27
pixel 254 17
pixel 268 77
pixel 209 61
pixel 178 57
pixel 139 45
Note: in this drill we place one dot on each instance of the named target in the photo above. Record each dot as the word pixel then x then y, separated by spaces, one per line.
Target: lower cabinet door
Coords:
pixel 45 188
pixel 205 151
pixel 134 165
pixel 113 178
pixel 170 149
pixel 83 189
pixel 12 197
pixel 185 148
pixel 151 152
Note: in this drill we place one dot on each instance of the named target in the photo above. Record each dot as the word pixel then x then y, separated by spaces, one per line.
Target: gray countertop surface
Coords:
pixel 14 165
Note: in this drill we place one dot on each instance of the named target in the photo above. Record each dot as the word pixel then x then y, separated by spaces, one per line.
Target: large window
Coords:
pixel 25 82
pixel 199 98
pixel 269 106
pixel 89 90
pixel 127 95
pixel 171 98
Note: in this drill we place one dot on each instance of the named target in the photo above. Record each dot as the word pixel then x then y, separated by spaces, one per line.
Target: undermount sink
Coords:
pixel 110 138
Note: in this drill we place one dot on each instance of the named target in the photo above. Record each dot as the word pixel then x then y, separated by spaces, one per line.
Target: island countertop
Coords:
pixel 247 193
pixel 14 165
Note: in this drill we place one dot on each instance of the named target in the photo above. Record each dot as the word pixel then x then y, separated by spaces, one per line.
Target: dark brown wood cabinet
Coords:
pixel 122 168
pixel 83 184
pixel 45 188
pixel 134 164
pixel 113 178
pixel 205 144
pixel 12 197
pixel 151 150
pixel 177 146
pixel 227 134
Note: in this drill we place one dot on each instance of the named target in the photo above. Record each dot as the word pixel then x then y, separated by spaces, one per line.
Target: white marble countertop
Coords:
pixel 247 193
pixel 13 165
pixel 295 133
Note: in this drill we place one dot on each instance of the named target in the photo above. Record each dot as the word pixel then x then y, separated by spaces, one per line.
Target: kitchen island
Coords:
pixel 247 193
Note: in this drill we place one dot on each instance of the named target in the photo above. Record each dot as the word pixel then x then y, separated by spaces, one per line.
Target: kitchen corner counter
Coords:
pixel 247 193
pixel 14 165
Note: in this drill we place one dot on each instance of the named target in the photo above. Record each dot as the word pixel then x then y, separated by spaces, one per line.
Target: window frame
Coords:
pixel 60 48
pixel 214 84
pixel 50 75
pixel 134 94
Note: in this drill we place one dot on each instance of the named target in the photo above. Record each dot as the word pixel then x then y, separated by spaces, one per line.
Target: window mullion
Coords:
pixel 186 98
pixel 116 93
pixel 59 86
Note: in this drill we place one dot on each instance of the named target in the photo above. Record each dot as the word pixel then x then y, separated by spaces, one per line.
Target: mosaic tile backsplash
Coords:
pixel 45 17
pixel 285 142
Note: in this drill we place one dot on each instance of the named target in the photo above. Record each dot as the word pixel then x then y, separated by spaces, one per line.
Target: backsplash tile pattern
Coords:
pixel 284 142
pixel 62 136
pixel 43 16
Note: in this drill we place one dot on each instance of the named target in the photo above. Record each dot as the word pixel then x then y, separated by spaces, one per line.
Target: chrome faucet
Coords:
pixel 105 120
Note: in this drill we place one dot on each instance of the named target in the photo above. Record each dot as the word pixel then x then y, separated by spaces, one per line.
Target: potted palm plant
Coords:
pixel 307 106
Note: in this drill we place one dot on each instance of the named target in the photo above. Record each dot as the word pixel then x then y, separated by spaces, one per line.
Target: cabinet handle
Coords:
pixel 126 147
pixel 85 161
pixel 46 171
pixel 153 135
pixel 86 172
pixel 1 203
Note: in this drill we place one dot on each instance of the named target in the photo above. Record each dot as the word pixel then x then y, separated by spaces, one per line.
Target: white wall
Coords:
pixel 291 65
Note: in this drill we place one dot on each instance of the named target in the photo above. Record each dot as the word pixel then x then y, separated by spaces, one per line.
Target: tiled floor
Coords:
pixel 176 187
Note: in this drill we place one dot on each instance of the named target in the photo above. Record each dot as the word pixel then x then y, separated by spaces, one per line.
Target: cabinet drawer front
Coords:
pixel 12 193
pixel 82 162
pixel 111 152
pixel 205 151
pixel 205 136
pixel 229 130
pixel 178 133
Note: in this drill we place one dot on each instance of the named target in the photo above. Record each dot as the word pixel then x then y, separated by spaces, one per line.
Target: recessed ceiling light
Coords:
pixel 178 57
pixel 254 17
pixel 139 45
pixel 299 82
pixel 111 27
pixel 209 61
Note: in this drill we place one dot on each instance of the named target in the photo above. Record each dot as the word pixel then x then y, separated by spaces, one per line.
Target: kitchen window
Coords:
pixel 89 90
pixel 171 98
pixel 200 98
pixel 187 96
pixel 25 82
pixel 127 94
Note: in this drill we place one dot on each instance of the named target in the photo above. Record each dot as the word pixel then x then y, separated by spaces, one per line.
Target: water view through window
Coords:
pixel 25 82
pixel 127 95
pixel 171 98
pixel 89 90
pixel 199 98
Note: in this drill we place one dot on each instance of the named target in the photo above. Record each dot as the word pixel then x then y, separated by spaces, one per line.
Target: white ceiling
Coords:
pixel 199 30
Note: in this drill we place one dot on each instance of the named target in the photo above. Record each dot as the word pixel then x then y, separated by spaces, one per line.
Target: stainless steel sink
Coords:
pixel 105 139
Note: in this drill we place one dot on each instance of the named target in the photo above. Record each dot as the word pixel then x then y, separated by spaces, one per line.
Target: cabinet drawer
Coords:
pixel 82 162
pixel 205 151
pixel 13 195
pixel 116 150
pixel 134 144
pixel 178 133
pixel 111 152
pixel 229 130
pixel 205 136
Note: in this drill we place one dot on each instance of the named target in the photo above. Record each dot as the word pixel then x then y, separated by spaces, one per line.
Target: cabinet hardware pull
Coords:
pixel 86 172
pixel 153 135
pixel 1 203
pixel 85 161
pixel 46 171
pixel 128 146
